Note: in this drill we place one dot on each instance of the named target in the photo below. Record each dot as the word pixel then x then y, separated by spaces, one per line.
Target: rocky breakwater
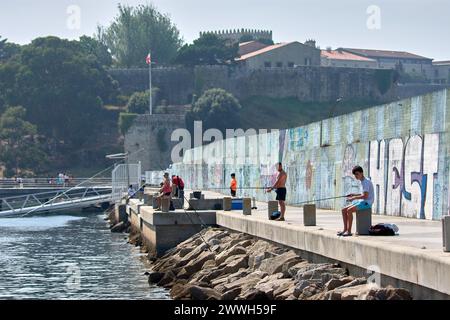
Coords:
pixel 233 265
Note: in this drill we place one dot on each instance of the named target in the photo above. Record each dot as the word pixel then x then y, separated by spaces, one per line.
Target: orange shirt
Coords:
pixel 233 185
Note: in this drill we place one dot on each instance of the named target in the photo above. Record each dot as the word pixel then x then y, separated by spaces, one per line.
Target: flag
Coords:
pixel 148 60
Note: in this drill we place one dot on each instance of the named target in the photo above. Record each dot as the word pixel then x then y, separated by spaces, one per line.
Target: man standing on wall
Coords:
pixel 233 185
pixel 359 201
pixel 280 189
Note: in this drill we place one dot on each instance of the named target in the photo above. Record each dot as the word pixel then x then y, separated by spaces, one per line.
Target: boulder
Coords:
pixel 196 264
pixel 180 291
pixel 236 250
pixel 119 227
pixel 231 294
pixel 336 283
pixel 203 293
pixel 276 264
pixel 388 293
pixel 155 277
pixel 246 283
pixel 168 278
pixel 234 263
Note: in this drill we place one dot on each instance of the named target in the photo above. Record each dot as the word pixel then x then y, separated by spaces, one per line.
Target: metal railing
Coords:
pixel 51 200
pixel 123 176
pixel 52 183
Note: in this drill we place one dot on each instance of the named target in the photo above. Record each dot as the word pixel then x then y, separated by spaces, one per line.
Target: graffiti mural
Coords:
pixel 406 188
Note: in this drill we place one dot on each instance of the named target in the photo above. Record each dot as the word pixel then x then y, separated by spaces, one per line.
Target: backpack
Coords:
pixel 381 229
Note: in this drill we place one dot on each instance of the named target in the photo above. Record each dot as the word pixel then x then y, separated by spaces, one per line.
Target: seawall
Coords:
pixel 403 147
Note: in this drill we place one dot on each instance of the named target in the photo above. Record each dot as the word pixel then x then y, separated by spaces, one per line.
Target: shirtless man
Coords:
pixel 280 189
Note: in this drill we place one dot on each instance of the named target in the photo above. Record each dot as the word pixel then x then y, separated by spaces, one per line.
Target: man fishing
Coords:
pixel 359 201
pixel 280 189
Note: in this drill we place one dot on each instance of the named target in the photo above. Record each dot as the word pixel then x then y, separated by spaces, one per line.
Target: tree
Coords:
pixel 139 101
pixel 138 30
pixel 19 147
pixel 217 109
pixel 97 49
pixel 7 49
pixel 61 87
pixel 208 49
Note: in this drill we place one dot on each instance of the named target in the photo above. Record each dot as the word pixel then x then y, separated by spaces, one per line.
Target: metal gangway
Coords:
pixel 75 198
pixel 52 183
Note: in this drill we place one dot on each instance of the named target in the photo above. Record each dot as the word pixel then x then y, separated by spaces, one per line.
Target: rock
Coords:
pixel 166 279
pixel 120 227
pixel 185 251
pixel 191 256
pixel 231 294
pixel 246 283
pixel 220 282
pixel 196 264
pixel 271 285
pixel 253 294
pixel 336 283
pixel 180 291
pixel 358 292
pixel 310 291
pixel 388 293
pixel 209 264
pixel 287 292
pixel 355 282
pixel 155 277
pixel 303 284
pixel 202 293
pixel 275 264
pixel 236 250
pixel 234 263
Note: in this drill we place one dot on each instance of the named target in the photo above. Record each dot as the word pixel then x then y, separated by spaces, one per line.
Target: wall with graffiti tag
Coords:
pixel 403 147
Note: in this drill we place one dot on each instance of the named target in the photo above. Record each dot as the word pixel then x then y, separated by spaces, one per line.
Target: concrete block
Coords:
pixel 272 206
pixel 227 203
pixel 446 233
pixel 165 204
pixel 121 213
pixel 309 215
pixel 247 206
pixel 363 221
pixel 148 199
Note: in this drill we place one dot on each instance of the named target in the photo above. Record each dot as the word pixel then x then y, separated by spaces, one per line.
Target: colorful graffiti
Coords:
pixel 404 174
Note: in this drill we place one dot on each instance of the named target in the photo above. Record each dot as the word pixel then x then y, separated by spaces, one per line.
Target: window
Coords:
pixel 267 64
pixel 290 64
pixel 279 64
pixel 307 61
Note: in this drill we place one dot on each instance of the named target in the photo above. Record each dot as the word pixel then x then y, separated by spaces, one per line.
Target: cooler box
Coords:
pixel 236 204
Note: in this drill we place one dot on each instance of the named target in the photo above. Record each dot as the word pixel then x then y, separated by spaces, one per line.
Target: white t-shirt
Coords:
pixel 367 186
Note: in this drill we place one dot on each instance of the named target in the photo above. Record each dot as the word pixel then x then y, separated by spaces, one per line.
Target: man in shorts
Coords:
pixel 280 189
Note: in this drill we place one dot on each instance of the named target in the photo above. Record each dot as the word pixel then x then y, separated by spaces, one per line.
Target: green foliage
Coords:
pixel 139 101
pixel 61 87
pixel 7 50
pixel 126 120
pixel 209 50
pixel 161 138
pixel 138 30
pixel 384 80
pixel 217 109
pixel 20 149
pixel 99 50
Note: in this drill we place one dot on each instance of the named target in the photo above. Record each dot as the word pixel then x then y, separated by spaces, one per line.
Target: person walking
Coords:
pixel 233 185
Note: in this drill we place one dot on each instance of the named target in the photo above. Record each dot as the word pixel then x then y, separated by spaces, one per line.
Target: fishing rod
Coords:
pixel 318 200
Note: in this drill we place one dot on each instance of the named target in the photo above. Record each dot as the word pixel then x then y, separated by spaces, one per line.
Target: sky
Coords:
pixel 418 26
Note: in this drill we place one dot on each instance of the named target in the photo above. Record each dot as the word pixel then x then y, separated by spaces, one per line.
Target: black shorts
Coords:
pixel 233 193
pixel 281 194
pixel 167 193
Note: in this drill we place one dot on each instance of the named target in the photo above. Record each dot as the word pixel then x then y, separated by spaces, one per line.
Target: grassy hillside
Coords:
pixel 271 113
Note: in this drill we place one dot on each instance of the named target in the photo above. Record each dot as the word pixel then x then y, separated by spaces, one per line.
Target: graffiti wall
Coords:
pixel 402 146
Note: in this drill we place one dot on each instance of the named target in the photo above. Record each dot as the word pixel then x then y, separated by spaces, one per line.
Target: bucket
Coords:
pixel 236 204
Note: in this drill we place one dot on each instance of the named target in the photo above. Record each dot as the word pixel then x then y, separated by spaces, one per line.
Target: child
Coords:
pixel 233 185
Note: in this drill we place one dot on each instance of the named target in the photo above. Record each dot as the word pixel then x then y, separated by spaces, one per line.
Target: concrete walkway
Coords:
pixel 415 255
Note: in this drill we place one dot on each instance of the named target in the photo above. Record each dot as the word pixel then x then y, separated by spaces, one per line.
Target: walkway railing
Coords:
pixel 54 200
pixel 52 183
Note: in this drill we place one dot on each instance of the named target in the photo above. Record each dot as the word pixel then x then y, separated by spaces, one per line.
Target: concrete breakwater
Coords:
pixel 219 264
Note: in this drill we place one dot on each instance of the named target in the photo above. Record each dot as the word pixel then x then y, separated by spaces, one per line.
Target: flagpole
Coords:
pixel 150 84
